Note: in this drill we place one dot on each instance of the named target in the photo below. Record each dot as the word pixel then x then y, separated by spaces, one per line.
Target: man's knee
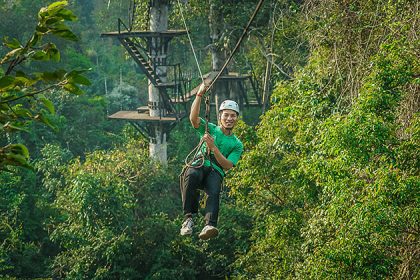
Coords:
pixel 192 177
pixel 213 191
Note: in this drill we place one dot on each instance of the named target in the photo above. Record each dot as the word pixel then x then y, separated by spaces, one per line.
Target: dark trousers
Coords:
pixel 203 178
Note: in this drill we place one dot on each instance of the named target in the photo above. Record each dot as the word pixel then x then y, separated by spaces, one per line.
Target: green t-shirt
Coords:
pixel 229 145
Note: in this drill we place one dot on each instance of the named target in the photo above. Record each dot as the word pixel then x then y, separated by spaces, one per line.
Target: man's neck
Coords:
pixel 226 131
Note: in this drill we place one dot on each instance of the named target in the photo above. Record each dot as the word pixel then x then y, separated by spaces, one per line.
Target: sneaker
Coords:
pixel 208 232
pixel 187 227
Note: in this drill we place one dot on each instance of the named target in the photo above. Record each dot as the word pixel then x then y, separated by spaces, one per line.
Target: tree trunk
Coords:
pixel 218 55
pixel 267 82
pixel 158 23
pixel 269 65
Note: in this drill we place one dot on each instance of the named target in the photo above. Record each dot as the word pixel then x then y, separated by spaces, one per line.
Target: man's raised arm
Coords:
pixel 195 107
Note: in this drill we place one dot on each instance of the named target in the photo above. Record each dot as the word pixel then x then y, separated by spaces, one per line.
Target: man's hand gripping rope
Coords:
pixel 202 90
pixel 207 137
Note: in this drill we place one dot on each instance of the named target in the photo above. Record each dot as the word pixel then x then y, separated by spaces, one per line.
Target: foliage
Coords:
pixel 327 188
pixel 22 100
pixel 333 198
pixel 23 248
pixel 349 34
pixel 370 203
pixel 98 201
pixel 110 226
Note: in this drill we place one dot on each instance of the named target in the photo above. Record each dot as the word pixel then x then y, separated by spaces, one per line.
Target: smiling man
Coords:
pixel 224 149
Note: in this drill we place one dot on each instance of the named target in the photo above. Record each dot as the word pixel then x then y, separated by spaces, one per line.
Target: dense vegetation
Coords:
pixel 328 186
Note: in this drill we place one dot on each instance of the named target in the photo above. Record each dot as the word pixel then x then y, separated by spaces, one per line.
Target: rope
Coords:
pixel 200 158
pixel 191 44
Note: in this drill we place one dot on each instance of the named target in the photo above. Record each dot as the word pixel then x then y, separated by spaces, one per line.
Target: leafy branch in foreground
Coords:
pixel 22 98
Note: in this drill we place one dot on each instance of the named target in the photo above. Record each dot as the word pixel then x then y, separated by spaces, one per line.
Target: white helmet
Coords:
pixel 229 105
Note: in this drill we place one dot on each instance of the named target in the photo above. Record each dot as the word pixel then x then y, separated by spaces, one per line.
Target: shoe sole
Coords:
pixel 186 232
pixel 209 234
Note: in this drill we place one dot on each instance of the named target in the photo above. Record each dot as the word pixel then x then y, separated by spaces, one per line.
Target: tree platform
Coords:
pixel 136 116
pixel 144 34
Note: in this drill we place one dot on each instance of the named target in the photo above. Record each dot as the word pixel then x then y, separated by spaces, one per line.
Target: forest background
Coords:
pixel 328 185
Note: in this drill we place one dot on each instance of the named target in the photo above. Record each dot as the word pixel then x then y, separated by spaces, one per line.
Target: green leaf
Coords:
pixel 57 5
pixel 67 15
pixel 42 13
pixel 48 104
pixel 40 55
pixel 21 74
pixel 75 77
pixel 81 80
pixel 52 20
pixel 34 40
pixel 16 159
pixel 7 96
pixel 9 127
pixel 66 34
pixel 43 117
pixel 21 111
pixel 59 26
pixel 51 76
pixel 16 154
pixel 70 87
pixel 19 149
pixel 13 43
pixel 54 54
pixel 23 80
pixel 42 29
pixel 6 81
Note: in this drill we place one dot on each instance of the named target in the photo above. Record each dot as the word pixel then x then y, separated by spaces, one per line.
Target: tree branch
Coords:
pixel 34 93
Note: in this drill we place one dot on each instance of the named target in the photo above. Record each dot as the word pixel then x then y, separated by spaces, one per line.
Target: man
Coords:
pixel 224 149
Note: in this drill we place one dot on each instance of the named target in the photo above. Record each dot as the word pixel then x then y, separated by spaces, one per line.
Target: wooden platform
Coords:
pixel 170 84
pixel 234 76
pixel 135 116
pixel 252 103
pixel 138 33
pixel 207 80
